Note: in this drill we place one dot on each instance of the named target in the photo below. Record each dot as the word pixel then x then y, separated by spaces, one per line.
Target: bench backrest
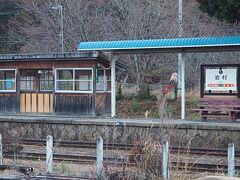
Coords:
pixel 226 102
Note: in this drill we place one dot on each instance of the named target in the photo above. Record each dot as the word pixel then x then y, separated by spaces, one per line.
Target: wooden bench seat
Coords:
pixel 219 107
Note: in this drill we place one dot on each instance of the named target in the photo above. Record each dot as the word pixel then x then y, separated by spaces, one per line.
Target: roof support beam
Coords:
pixel 113 86
pixel 176 50
pixel 182 62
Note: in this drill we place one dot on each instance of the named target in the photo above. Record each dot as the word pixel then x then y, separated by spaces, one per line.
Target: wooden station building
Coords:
pixel 65 84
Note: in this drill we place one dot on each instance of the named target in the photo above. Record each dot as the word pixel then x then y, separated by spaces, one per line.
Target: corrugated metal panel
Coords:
pixel 161 43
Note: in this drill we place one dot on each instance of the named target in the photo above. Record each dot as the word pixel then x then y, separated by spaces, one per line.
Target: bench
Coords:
pixel 218 108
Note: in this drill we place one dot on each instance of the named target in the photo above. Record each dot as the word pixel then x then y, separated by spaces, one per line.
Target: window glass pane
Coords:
pixel 104 83
pixel 65 85
pixel 1 75
pixel 9 74
pixel 83 85
pixel 83 80
pixel 46 80
pixel 64 74
pixel 7 80
pixel 100 80
pixel 28 80
pixel 83 75
pixel 10 85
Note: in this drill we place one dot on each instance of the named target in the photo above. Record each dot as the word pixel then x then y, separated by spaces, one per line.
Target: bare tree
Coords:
pixel 36 27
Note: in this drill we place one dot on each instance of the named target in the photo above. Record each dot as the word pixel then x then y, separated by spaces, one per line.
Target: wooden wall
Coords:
pixel 81 104
pixel 103 103
pixel 36 102
pixel 8 103
pixel 62 103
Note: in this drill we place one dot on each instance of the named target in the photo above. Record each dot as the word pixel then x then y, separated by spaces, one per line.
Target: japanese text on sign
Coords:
pixel 221 79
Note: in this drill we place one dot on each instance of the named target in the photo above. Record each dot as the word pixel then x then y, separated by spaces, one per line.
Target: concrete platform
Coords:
pixel 184 133
pixel 177 123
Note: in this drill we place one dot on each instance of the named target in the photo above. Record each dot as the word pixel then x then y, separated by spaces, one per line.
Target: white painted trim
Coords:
pixel 183 88
pixel 113 87
pixel 101 92
pixel 105 81
pixel 15 80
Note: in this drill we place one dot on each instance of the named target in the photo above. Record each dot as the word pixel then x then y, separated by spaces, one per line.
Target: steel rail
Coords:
pixel 110 146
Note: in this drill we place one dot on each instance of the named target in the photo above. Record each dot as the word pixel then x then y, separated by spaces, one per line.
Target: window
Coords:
pixel 104 80
pixel 36 80
pixel 7 80
pixel 46 80
pixel 83 80
pixel 74 80
pixel 28 80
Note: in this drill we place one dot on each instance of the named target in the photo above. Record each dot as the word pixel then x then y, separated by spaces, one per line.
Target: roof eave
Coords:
pixel 176 49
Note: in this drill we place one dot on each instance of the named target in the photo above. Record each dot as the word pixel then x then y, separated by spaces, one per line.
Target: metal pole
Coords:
pixel 180 31
pixel 60 8
pixel 181 63
pixel 49 154
pixel 165 168
pixel 231 156
pixel 1 150
pixel 100 173
pixel 180 17
pixel 61 24
pixel 183 89
pixel 113 87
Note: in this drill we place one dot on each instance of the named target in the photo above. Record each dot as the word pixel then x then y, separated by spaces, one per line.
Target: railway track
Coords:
pixel 72 144
pixel 86 159
pixel 117 146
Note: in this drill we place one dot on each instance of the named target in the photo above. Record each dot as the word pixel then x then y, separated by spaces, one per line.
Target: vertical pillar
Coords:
pixel 179 74
pixel 1 150
pixel 231 156
pixel 180 31
pixel 94 92
pixel 100 172
pixel 49 154
pixel 113 87
pixel 17 91
pixel 165 168
pixel 183 89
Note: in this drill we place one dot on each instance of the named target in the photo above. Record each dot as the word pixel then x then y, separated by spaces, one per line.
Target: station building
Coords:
pixel 77 84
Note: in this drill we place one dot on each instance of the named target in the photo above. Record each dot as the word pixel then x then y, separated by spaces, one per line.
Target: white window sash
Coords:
pixel 14 81
pixel 73 80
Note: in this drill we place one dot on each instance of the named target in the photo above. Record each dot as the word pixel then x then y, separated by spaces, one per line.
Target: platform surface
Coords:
pixel 53 119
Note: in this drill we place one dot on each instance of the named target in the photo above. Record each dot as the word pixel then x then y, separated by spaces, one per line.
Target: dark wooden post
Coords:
pixel 238 79
pixel 202 81
pixel 17 109
pixel 94 92
pixel 53 92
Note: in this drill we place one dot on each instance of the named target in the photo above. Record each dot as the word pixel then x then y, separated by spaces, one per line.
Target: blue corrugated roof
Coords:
pixel 160 44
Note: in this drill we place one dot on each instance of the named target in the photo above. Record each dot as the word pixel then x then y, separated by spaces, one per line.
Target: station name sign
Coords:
pixel 219 79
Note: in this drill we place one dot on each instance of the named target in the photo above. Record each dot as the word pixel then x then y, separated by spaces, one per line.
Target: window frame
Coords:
pixel 73 80
pixel 105 81
pixel 37 80
pixel 48 80
pixel 15 80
